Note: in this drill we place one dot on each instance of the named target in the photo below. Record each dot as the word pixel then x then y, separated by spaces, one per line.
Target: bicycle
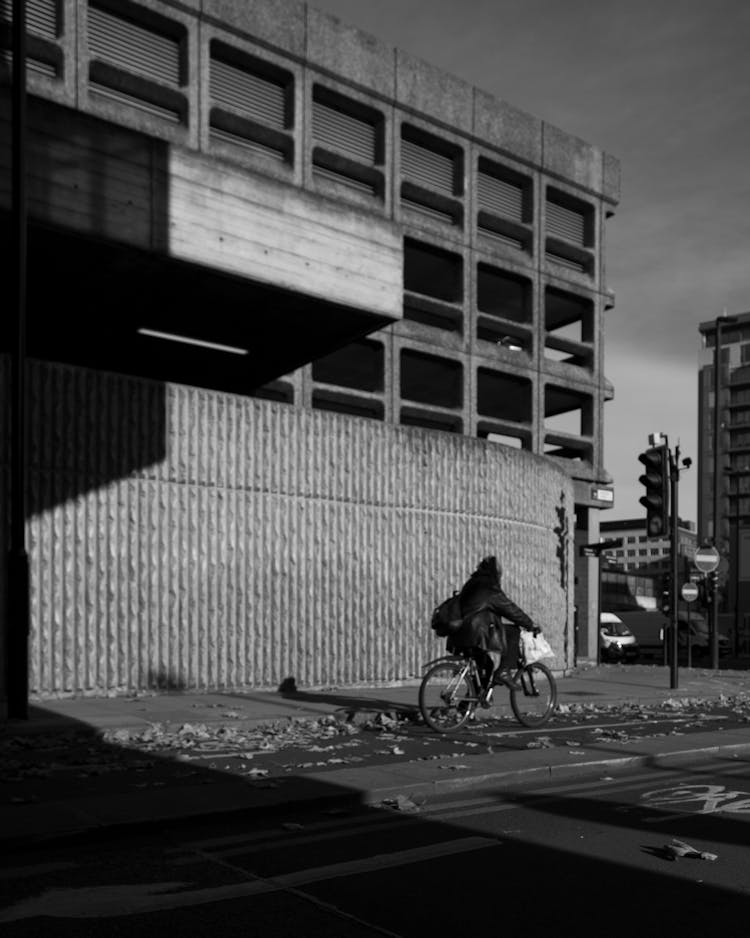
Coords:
pixel 451 692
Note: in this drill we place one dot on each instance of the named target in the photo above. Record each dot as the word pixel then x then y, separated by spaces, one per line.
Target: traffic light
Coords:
pixel 666 594
pixel 656 499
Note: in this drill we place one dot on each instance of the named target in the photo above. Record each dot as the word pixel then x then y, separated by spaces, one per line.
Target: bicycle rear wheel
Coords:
pixel 446 698
pixel 536 698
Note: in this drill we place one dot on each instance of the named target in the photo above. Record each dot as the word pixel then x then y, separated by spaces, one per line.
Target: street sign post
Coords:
pixel 706 559
pixel 689 592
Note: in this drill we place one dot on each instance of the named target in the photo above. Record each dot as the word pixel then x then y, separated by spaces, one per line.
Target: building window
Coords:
pixel 503 205
pixel 503 300
pixel 569 233
pixel 137 57
pixel 359 365
pixel 348 142
pixel 432 175
pixel 503 397
pixel 568 424
pixel 428 379
pixel 569 328
pixel 251 103
pixel 433 281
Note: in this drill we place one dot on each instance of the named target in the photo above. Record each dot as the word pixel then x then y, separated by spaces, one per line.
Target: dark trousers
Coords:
pixel 510 653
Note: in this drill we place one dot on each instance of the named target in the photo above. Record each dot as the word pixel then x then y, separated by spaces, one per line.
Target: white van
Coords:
pixel 616 641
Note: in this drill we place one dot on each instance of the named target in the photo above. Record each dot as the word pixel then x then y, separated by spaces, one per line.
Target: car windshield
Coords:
pixel 615 628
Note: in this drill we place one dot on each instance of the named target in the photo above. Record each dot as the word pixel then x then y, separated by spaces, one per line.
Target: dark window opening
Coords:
pixel 504 396
pixel 569 324
pixel 433 272
pixel 568 412
pixel 503 294
pixel 428 379
pixel 360 365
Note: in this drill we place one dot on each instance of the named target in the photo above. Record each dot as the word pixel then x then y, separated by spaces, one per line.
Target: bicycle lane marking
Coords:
pixel 715 799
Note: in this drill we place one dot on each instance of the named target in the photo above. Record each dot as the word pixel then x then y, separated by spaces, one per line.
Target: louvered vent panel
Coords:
pixel 261 100
pixel 428 212
pixel 225 137
pixel 566 224
pixel 41 16
pixel 356 184
pixel 501 238
pixel 426 167
pixel 148 107
pixel 499 197
pixel 33 66
pixel 134 48
pixel 566 262
pixel 344 134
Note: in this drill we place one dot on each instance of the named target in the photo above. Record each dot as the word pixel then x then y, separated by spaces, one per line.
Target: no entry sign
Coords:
pixel 706 559
pixel 689 592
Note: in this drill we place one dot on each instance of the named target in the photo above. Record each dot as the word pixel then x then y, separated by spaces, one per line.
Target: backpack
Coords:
pixel 447 618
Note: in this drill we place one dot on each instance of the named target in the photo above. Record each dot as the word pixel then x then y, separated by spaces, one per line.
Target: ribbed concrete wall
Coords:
pixel 186 538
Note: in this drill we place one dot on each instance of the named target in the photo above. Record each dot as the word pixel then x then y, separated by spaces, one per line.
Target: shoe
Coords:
pixel 504 676
pixel 485 698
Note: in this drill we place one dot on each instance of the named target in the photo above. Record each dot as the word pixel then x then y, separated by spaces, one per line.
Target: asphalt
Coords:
pixel 103 811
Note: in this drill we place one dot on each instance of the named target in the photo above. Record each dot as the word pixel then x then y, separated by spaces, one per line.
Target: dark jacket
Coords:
pixel 483 606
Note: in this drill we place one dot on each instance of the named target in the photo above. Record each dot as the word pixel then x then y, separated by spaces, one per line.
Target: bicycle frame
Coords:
pixel 526 683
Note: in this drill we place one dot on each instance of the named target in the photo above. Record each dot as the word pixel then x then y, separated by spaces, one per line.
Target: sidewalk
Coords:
pixel 105 808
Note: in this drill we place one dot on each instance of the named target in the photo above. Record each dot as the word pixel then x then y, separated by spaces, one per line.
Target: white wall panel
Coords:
pixel 190 539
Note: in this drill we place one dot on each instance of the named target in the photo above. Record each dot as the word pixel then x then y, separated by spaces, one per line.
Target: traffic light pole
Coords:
pixel 674 485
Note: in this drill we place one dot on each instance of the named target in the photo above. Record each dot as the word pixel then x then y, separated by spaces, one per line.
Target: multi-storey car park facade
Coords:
pixel 403 281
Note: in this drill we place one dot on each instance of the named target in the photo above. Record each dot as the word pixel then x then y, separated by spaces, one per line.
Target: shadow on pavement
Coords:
pixel 530 873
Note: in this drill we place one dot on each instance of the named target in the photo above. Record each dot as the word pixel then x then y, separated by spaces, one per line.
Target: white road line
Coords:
pixel 385 861
pixel 140 898
pixel 237 844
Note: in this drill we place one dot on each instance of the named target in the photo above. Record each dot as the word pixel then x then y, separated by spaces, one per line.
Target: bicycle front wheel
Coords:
pixel 446 698
pixel 536 698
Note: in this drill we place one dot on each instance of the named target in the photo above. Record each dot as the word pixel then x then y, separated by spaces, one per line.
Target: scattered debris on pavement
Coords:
pixel 678 848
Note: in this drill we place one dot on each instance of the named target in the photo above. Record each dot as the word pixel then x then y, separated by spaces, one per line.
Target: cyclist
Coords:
pixel 494 644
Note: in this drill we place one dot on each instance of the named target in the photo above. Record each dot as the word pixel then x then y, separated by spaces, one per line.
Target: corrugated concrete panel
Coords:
pixel 185 538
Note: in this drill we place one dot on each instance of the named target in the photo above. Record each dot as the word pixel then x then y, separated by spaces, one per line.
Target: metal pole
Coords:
pixel 714 644
pixel 674 479
pixel 17 612
pixel 736 642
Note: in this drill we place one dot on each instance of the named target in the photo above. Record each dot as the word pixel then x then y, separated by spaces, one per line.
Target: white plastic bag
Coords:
pixel 535 647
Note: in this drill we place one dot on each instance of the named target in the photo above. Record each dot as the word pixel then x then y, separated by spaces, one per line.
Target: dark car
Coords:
pixel 700 637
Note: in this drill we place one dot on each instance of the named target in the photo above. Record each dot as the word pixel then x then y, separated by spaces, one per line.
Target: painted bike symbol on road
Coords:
pixel 713 799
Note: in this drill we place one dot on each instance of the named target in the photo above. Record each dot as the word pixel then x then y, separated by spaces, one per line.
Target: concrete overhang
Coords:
pixel 128 233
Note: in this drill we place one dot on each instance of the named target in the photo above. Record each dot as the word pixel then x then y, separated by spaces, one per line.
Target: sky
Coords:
pixel 664 86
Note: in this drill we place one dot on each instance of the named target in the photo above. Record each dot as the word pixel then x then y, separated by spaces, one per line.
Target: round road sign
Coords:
pixel 689 592
pixel 706 559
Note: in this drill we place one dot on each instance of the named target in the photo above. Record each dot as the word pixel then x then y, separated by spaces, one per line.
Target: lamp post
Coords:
pixel 719 322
